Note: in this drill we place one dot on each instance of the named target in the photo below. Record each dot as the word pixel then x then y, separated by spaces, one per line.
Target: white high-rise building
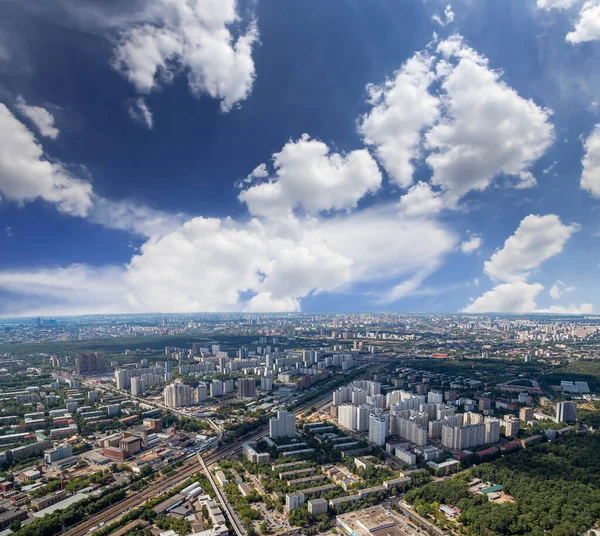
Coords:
pixel 409 430
pixel 228 387
pixel 362 418
pixel 284 425
pixel 177 395
pixel 378 428
pixel 435 429
pixel 512 425
pixel 472 433
pixel 347 416
pixel 435 397
pixel 151 375
pixel 122 378
pixel 470 418
pixel 216 388
pixel 454 420
pixel 492 430
pixel 342 395
pixel 430 409
pixel 201 392
pixel 404 400
pixel 293 501
pixel 371 388
pixel 138 386
pixel 266 383
pixel 359 397
pixel 444 411
pixel 566 412
pixel 377 401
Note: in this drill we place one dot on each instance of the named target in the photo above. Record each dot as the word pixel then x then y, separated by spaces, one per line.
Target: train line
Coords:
pixel 191 466
pixel 114 512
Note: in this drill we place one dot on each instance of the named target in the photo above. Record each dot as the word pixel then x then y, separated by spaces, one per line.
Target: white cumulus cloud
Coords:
pixel 555 292
pixel 518 297
pixel 587 27
pixel 471 245
pixel 401 108
pixel 196 37
pixel 446 18
pixel 558 289
pixel 537 239
pixel 126 215
pixel 583 309
pixel 487 128
pixel 211 264
pixel 420 200
pixel 40 117
pixel 526 180
pixel 141 113
pixel 590 177
pixel 555 4
pixel 77 289
pixel 446 107
pixel 26 174
pixel 265 303
pixel 309 176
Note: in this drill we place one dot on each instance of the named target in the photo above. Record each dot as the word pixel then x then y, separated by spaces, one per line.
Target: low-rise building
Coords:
pixel 49 500
pixel 221 478
pixel 245 489
pixel 131 445
pixel 444 468
pixel 406 457
pixel 8 517
pixel 115 453
pixel 62 505
pixel 319 490
pixel 396 483
pixel 64 432
pixel 252 455
pixel 58 453
pixel 335 503
pixel 297 472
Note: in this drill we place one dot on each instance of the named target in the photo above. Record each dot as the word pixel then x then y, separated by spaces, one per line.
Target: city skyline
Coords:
pixel 292 424
pixel 247 156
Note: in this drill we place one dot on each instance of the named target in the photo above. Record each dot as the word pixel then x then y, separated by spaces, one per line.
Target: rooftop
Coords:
pixel 62 504
pixel 375 520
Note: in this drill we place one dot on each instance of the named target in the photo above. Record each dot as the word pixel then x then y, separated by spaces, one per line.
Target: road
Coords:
pixel 409 512
pixel 237 525
pixel 116 511
pixel 189 468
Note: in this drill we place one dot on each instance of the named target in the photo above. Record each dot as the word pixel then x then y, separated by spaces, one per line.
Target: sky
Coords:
pixel 274 156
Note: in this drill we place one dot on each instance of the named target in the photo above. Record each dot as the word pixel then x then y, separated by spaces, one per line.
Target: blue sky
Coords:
pixel 348 155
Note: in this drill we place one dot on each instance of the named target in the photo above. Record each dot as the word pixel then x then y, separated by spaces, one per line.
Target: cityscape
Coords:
pixel 217 424
pixel 299 268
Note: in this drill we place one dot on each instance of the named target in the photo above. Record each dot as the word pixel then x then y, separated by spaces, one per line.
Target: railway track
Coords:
pixel 114 512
